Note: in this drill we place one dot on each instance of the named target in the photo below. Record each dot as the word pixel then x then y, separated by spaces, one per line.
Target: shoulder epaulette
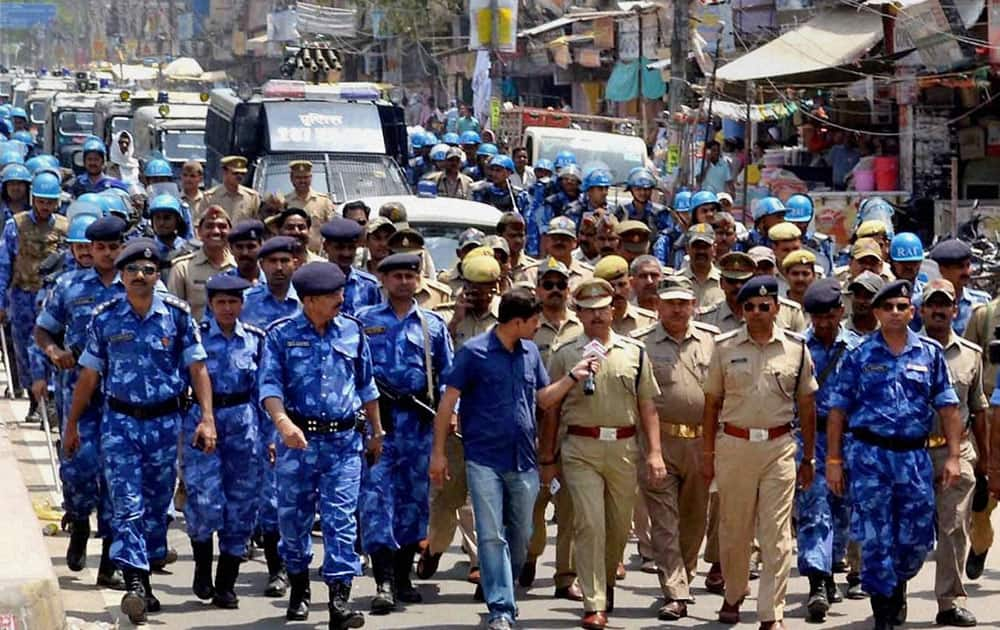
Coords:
pixel 440 286
pixel 789 303
pixel 645 330
pixel 709 328
pixel 794 335
pixel 635 342
pixel 645 312
pixel 180 256
pixel 176 302
pixel 562 344
pixel 930 341
pixel 705 310
pixel 444 306
pixel 585 265
pixel 962 341
pixel 103 306
pixel 212 190
pixel 365 274
pixel 354 319
pixel 726 336
pixel 256 330
pixel 279 322
pixel 432 314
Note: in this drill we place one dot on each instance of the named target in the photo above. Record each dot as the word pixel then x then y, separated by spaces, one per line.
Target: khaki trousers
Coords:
pixel 450 506
pixel 756 487
pixel 712 529
pixel 641 526
pixel 565 570
pixel 954 508
pixel 677 511
pixel 600 477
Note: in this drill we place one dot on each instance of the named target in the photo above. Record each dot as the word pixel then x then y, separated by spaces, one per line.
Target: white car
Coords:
pixel 440 220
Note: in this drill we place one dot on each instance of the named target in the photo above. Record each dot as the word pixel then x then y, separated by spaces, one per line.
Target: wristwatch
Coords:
pixel 811 460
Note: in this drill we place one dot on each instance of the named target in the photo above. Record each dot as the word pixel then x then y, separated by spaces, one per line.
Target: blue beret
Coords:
pixel 950 251
pixel 249 230
pixel 894 289
pixel 109 228
pixel 823 296
pixel 758 286
pixel 225 283
pixel 318 278
pixel 275 244
pixel 139 249
pixel 396 262
pixel 341 229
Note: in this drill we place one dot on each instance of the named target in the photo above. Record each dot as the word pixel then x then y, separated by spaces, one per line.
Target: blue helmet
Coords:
pixel 487 148
pixel 77 232
pixel 543 165
pixel 11 156
pixel 564 158
pixel 799 208
pixel 157 167
pixel 451 138
pixel 640 178
pixel 6 127
pixel 430 139
pixel 4 110
pixel 42 161
pixel 597 178
pixel 426 188
pixel 704 197
pixel 165 203
pixel 46 185
pixel 682 201
pixel 15 173
pixel 504 161
pixel 470 137
pixel 18 112
pixel 906 247
pixel 25 137
pixel 115 203
pixel 768 206
pixel 94 145
pixel 439 152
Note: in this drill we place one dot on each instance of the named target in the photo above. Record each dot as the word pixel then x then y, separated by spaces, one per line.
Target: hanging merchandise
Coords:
pixel 482 22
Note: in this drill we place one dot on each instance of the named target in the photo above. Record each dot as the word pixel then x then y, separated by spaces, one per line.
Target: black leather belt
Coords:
pixel 320 426
pixel 146 412
pixel 891 443
pixel 221 401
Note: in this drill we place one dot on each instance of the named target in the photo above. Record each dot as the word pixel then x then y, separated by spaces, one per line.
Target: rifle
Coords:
pixel 391 397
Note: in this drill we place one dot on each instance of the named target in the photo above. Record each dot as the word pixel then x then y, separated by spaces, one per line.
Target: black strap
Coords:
pixel 825 374
pixel 638 375
pixel 891 443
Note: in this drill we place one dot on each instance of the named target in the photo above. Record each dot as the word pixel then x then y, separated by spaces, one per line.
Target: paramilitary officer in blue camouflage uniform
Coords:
pixel 394 504
pixel 823 516
pixel 886 393
pixel 138 348
pixel 340 243
pixel 640 184
pixel 500 192
pixel 66 314
pixel 222 486
pixel 316 379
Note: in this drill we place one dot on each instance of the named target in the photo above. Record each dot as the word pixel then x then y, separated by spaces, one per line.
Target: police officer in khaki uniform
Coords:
pixel 558 242
pixel 599 452
pixel 735 268
pixel 701 269
pixel 239 201
pixel 557 325
pixel 468 240
pixel 627 316
pixel 192 175
pixel 679 350
pixel 512 228
pixel 396 212
pixel 757 376
pixel 190 273
pixel 319 206
pixel 954 503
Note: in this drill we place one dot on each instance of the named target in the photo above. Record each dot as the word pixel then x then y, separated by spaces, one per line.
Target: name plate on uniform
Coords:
pixel 608 434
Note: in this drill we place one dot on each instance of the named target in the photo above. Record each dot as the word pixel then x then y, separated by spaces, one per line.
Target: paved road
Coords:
pixel 448 598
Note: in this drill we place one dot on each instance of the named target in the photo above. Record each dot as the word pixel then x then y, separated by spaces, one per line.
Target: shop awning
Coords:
pixel 828 40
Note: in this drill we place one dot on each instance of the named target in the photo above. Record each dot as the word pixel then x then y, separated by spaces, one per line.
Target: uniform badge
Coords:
pixel 147 253
pixel 904 291
pixel 762 291
pixel 374 330
pixel 405 242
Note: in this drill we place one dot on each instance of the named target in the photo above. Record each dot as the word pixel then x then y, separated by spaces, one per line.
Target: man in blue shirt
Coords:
pixel 500 378
pixel 886 393
pixel 954 259
pixel 340 243
pixel 94 180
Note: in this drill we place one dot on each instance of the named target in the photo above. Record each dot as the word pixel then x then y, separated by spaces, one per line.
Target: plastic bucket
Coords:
pixel 864 181
pixel 886 173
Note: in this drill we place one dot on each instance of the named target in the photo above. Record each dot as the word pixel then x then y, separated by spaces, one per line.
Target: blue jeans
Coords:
pixel 502 504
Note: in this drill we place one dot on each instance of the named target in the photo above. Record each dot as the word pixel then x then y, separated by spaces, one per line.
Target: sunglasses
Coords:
pixel 143 269
pixel 549 285
pixel 895 306
pixel 760 308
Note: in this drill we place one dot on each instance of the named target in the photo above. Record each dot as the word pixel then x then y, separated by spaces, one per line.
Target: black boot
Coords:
pixel 402 565
pixel 202 584
pixel 833 594
pixel 854 588
pixel 277 578
pixel 225 582
pixel 108 574
pixel 134 600
pixel 817 604
pixel 384 601
pixel 300 597
pixel 341 614
pixel 881 613
pixel 898 609
pixel 152 604
pixel 76 552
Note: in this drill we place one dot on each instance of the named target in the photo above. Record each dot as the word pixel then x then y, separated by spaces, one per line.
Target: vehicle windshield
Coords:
pixel 353 176
pixel 618 154
pixel 441 241
pixel 120 124
pixel 75 123
pixel 183 145
pixel 36 109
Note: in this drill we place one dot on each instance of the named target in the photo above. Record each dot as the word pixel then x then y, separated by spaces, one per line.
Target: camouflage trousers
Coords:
pixel 23 312
pixel 84 487
pixel 823 519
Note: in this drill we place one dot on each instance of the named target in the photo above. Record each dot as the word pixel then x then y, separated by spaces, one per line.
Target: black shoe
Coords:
pixel 957 616
pixel 202 584
pixel 226 573
pixel 527 577
pixel 134 600
pixel 840 566
pixel 108 574
pixel 160 563
pixel 341 614
pixel 609 594
pixel 152 604
pixel 817 604
pixel 402 565
pixel 974 564
pixel 881 612
pixel 854 589
pixel 478 594
pixel 898 605
pixel 427 564
pixel 76 552
pixel 277 578
pixel 384 601
pixel 383 569
pixel 299 598
pixel 833 594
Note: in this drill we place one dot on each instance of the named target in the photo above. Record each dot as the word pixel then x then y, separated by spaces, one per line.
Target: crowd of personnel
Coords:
pixel 649 370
